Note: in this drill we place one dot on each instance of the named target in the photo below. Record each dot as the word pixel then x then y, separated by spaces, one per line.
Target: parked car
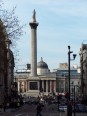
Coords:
pixel 62 107
pixel 80 108
pixel 54 101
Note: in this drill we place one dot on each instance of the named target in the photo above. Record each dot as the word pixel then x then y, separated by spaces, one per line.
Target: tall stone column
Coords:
pixel 50 86
pixel 18 86
pixel 38 85
pixel 26 86
pixel 43 84
pixel 47 86
pixel 55 86
pixel 33 26
pixel 64 86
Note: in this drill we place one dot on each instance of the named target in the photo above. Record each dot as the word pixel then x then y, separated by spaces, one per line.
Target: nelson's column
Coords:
pixel 33 26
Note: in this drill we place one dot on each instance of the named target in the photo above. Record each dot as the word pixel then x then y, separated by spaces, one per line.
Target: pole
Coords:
pixel 69 113
pixel 74 100
pixel 58 101
pixel 69 69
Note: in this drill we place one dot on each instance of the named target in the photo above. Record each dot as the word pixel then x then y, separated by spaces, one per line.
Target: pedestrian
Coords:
pixel 4 106
pixel 69 109
pixel 39 109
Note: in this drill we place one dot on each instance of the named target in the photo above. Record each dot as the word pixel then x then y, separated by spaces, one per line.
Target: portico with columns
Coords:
pixel 45 85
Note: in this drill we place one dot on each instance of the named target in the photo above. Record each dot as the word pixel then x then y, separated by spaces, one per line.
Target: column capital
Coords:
pixel 33 25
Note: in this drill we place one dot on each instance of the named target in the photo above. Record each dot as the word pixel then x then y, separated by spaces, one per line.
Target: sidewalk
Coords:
pixel 8 110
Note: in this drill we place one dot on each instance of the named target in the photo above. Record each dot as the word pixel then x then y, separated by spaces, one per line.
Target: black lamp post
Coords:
pixel 74 56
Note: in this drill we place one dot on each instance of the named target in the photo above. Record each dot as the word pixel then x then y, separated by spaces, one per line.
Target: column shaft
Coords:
pixel 47 86
pixel 55 86
pixel 33 53
pixel 43 84
pixel 50 86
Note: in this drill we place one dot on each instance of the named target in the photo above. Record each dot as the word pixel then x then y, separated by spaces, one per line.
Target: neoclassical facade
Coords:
pixel 44 82
pixel 47 82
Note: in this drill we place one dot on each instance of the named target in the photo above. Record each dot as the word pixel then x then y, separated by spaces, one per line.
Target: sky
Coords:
pixel 61 23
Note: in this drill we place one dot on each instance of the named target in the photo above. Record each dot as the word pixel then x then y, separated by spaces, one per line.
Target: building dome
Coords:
pixel 42 64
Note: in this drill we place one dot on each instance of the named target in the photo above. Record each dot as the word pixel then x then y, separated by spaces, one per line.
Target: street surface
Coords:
pixel 30 110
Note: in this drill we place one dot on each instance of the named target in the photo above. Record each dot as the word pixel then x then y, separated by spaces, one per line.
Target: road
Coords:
pixel 30 110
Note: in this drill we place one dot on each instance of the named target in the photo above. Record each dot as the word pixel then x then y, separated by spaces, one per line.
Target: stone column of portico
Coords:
pixel 39 86
pixel 50 86
pixel 33 26
pixel 43 84
pixel 47 86
pixel 26 86
pixel 54 86
pixel 64 86
pixel 18 86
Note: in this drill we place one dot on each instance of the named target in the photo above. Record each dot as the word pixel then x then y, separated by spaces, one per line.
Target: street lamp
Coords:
pixel 74 56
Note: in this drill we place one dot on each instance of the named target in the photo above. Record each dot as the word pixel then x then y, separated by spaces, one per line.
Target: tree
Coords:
pixel 11 25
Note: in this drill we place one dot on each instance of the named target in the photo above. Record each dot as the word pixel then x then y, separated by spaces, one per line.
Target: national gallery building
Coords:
pixel 43 83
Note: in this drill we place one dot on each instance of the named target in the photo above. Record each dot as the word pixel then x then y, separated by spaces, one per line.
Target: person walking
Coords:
pixel 39 109
pixel 69 109
pixel 4 106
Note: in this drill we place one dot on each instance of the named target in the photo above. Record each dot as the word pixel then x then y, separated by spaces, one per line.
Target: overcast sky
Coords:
pixel 61 23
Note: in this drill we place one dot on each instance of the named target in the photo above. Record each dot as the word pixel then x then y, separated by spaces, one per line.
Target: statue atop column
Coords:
pixel 34 16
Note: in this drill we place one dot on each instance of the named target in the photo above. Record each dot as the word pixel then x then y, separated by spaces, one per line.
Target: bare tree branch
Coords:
pixel 12 26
